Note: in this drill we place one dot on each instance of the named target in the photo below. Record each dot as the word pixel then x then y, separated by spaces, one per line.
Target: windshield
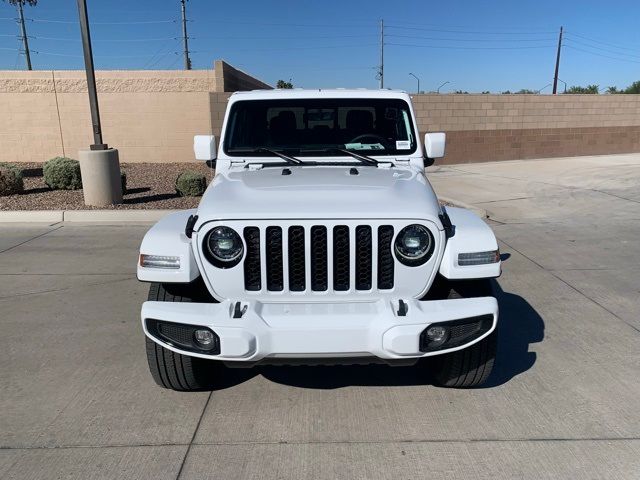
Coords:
pixel 317 127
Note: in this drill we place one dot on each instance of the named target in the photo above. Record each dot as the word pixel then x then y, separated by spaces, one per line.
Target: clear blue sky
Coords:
pixel 474 45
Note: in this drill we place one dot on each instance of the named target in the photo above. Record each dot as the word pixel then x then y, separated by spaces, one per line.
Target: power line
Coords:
pixel 603 49
pixel 326 25
pixel 122 40
pixel 469 48
pixel 288 37
pixel 469 39
pixel 600 55
pixel 145 22
pixel 322 47
pixel 440 25
pixel 602 43
pixel 475 32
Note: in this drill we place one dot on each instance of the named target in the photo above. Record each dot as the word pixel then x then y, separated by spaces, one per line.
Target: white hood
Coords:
pixel 311 192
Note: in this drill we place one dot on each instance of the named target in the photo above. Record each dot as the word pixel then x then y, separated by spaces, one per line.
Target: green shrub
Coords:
pixel 10 179
pixel 191 184
pixel 123 181
pixel 62 173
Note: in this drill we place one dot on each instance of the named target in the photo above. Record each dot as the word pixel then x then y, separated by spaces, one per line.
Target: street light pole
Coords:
pixel 417 80
pixel 438 90
pixel 100 165
pixel 565 85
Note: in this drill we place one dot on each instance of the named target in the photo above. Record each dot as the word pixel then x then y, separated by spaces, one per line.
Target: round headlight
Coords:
pixel 414 245
pixel 224 247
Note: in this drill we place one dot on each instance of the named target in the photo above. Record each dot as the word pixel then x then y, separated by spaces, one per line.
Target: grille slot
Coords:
pixel 341 265
pixel 363 257
pixel 296 259
pixel 385 257
pixel 252 276
pixel 319 264
pixel 275 277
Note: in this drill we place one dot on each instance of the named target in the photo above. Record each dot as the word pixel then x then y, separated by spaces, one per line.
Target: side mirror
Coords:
pixel 434 145
pixel 204 147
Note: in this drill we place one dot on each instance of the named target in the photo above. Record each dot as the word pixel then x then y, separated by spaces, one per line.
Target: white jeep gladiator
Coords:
pixel 319 241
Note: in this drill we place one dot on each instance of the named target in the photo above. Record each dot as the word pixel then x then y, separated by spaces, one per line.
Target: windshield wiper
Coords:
pixel 287 158
pixel 363 158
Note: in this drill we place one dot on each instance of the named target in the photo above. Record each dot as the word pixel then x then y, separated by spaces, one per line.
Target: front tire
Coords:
pixel 466 368
pixel 471 366
pixel 172 370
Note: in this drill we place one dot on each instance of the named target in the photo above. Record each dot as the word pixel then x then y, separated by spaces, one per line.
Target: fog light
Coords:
pixel 437 334
pixel 203 338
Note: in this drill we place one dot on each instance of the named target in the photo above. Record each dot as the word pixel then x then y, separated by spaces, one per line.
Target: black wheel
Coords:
pixel 173 370
pixel 471 366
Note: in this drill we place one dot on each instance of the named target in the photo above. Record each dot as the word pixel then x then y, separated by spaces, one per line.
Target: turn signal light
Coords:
pixel 478 258
pixel 160 261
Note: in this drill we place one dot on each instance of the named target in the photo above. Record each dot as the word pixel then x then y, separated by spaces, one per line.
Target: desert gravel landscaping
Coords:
pixel 149 186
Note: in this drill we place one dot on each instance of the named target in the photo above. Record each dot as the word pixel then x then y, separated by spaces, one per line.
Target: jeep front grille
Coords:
pixel 306 263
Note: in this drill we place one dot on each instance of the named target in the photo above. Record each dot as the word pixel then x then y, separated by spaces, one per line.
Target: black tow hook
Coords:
pixel 239 310
pixel 188 229
pixel 403 308
pixel 449 228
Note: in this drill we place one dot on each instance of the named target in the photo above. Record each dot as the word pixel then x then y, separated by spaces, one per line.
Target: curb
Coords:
pixel 82 216
pixel 481 212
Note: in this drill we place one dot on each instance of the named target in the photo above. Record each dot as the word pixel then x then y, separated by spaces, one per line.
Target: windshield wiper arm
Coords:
pixel 363 158
pixel 289 159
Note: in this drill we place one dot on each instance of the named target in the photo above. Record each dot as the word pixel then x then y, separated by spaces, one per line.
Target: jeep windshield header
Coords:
pixel 319 127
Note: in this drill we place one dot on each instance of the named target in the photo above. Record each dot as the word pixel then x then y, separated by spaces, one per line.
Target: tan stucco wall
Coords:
pixel 149 116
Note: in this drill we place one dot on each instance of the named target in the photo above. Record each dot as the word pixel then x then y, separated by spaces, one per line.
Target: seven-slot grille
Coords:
pixel 301 256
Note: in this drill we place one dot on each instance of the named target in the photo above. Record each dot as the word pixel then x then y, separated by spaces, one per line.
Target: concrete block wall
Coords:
pixel 509 127
pixel 151 116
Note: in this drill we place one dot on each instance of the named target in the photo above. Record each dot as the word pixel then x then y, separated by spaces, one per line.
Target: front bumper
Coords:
pixel 319 330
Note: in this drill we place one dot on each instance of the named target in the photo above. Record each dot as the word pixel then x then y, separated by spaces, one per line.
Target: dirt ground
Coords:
pixel 149 186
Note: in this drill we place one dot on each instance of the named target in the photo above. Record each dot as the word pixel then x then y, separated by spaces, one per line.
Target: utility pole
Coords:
pixel 99 166
pixel 555 77
pixel 381 71
pixel 25 40
pixel 187 60
pixel 91 77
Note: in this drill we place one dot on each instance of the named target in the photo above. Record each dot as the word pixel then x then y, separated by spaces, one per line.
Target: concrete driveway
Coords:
pixel 564 401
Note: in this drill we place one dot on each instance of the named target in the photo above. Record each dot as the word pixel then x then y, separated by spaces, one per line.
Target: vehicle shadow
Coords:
pixel 519 326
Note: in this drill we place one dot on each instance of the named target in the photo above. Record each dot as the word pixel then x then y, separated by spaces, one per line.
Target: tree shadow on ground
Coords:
pixel 32 172
pixel 150 198
pixel 133 191
pixel 519 326
pixel 35 190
